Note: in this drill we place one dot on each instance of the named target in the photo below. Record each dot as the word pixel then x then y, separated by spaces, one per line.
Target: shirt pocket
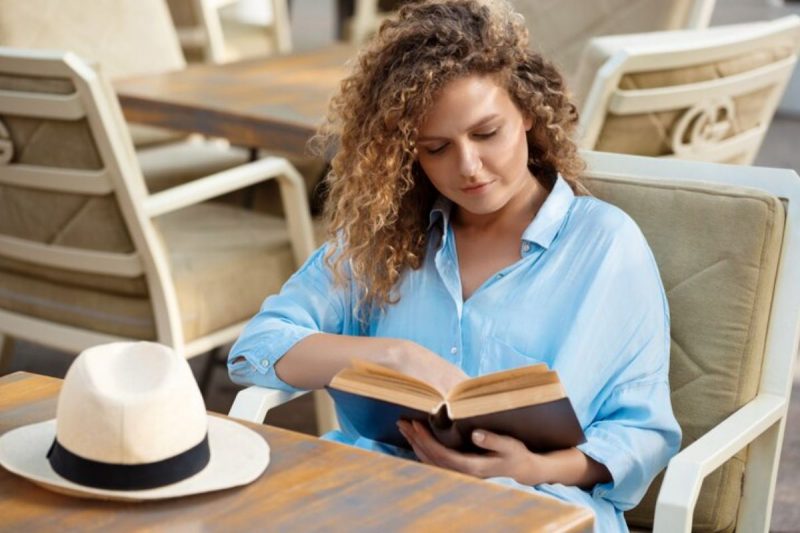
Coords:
pixel 498 355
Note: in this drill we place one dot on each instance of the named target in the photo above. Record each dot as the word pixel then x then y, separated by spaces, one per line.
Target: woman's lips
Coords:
pixel 477 188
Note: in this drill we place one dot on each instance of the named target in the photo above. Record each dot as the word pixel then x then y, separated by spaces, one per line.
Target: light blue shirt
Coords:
pixel 585 298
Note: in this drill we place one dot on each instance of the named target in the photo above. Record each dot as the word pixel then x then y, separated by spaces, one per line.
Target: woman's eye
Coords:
pixel 435 150
pixel 485 134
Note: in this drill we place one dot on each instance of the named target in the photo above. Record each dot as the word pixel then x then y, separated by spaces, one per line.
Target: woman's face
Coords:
pixel 472 145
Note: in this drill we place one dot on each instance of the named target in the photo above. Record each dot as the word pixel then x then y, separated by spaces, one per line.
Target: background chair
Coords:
pixel 88 256
pixel 210 31
pixel 727 245
pixel 125 38
pixel 561 29
pixel 707 94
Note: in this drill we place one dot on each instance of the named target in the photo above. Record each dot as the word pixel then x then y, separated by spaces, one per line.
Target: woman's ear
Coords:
pixel 527 121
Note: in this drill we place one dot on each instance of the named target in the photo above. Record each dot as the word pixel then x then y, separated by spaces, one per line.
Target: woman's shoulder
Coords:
pixel 597 218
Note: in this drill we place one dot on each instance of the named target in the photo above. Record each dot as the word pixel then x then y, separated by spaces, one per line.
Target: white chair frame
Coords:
pixel 95 100
pixel 210 36
pixel 761 422
pixel 710 103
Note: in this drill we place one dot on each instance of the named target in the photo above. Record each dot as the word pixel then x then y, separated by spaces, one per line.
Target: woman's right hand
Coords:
pixel 417 361
pixel 312 362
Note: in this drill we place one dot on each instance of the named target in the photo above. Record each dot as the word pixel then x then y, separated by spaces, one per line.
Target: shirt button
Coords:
pixel 265 363
pixel 526 247
pixel 453 350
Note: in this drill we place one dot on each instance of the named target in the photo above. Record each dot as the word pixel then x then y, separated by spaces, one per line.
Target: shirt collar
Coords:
pixel 544 226
pixel 440 212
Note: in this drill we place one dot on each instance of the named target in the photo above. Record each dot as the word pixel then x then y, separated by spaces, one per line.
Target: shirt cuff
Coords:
pixel 601 449
pixel 258 367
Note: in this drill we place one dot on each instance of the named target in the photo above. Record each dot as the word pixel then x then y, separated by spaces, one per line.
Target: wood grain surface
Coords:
pixel 274 103
pixel 310 485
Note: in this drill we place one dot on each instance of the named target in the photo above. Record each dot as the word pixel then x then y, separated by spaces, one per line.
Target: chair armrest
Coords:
pixel 214 185
pixel 687 470
pixel 253 403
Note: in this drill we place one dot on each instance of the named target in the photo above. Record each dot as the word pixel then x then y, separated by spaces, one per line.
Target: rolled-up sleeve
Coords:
pixel 308 303
pixel 634 432
pixel 634 436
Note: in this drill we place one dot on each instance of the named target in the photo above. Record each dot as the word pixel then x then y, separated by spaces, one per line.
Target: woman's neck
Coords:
pixel 516 214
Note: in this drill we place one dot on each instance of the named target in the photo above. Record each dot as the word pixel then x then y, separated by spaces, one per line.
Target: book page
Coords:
pixel 381 383
pixel 377 389
pixel 516 378
pixel 360 366
pixel 505 400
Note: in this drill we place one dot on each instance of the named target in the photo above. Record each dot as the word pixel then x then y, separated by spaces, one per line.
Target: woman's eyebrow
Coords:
pixel 481 122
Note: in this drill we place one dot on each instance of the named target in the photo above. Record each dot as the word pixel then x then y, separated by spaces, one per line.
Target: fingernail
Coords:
pixel 478 436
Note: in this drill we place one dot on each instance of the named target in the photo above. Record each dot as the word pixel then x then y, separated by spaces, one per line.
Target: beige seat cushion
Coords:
pixel 717 253
pixel 224 261
pixel 172 164
pixel 144 136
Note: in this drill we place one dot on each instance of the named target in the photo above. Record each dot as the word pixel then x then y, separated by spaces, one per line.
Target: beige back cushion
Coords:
pixel 717 251
pixel 560 29
pixel 126 37
pixel 65 219
pixel 650 134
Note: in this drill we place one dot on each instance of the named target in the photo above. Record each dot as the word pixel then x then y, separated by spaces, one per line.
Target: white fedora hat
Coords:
pixel 131 425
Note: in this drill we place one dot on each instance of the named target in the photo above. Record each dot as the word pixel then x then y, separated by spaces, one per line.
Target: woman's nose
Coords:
pixel 470 161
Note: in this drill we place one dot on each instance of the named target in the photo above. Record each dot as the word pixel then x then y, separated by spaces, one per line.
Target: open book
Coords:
pixel 527 403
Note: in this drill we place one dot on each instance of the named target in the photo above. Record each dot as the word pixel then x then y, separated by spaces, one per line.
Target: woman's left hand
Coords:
pixel 506 457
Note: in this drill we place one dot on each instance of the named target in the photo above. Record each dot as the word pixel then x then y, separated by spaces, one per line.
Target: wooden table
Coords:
pixel 310 485
pixel 273 103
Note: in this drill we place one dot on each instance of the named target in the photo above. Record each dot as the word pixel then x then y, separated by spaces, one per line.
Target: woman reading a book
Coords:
pixel 461 243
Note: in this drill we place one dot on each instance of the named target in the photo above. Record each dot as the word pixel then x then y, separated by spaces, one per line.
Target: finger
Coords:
pixel 423 441
pixel 421 455
pixel 445 457
pixel 500 444
pixel 407 432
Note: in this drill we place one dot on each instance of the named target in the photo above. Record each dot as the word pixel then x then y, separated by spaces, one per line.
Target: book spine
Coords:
pixel 449 436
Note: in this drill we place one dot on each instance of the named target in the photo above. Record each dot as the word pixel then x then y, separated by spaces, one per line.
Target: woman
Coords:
pixel 461 244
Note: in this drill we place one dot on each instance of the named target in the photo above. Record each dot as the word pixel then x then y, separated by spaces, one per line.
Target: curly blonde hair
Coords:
pixel 378 197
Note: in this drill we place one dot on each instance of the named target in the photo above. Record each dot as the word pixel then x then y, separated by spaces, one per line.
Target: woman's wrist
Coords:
pixel 569 467
pixel 538 470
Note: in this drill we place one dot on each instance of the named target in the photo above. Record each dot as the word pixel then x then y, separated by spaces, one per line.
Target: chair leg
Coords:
pixel 215 357
pixel 326 414
pixel 763 455
pixel 6 353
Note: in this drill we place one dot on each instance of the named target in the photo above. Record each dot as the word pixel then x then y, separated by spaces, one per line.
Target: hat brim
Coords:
pixel 239 456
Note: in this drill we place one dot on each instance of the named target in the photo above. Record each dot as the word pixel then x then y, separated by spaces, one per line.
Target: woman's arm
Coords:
pixel 305 334
pixel 312 362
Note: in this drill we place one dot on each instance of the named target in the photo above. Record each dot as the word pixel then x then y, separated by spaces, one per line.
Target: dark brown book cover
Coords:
pixel 542 427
